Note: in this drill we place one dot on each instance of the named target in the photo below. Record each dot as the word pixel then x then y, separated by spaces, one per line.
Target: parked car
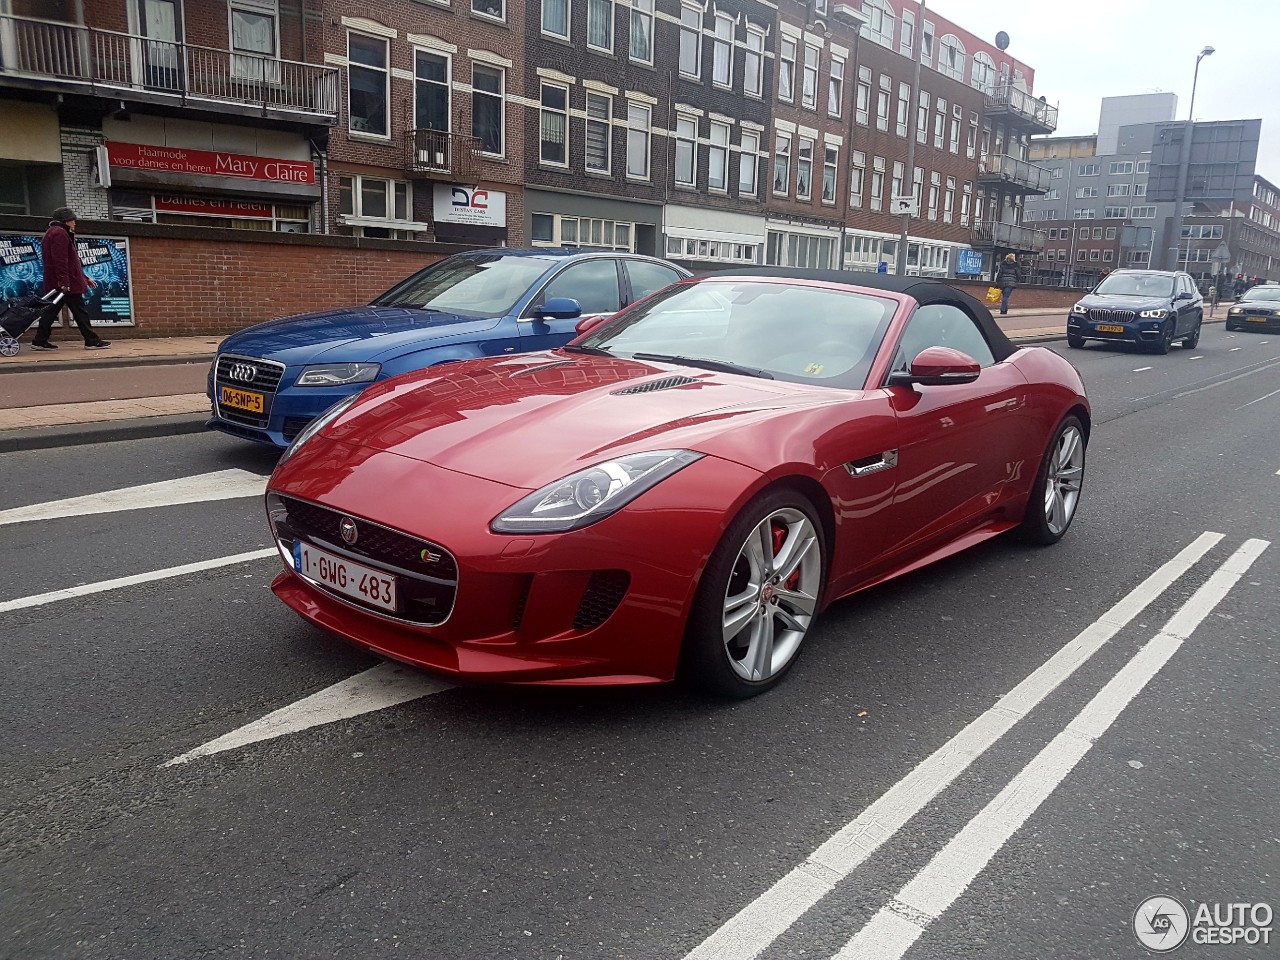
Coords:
pixel 1258 308
pixel 684 487
pixel 271 380
pixel 1152 308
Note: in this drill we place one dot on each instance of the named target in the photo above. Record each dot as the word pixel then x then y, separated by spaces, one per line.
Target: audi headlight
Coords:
pixel 318 424
pixel 1079 310
pixel 589 495
pixel 338 374
pixel 1157 314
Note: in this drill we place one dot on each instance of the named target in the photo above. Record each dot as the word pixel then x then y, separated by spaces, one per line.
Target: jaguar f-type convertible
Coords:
pixel 683 489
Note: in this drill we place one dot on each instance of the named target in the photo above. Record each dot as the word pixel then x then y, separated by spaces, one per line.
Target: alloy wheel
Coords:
pixel 771 597
pixel 1064 479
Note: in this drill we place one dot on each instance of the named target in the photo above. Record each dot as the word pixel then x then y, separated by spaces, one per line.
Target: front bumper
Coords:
pixel 1246 321
pixel 606 604
pixel 1133 331
pixel 288 410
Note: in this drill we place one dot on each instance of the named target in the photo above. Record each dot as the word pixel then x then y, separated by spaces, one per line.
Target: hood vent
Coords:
pixel 666 383
pixel 545 366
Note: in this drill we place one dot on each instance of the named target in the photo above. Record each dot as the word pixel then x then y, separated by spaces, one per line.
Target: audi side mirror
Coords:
pixel 558 308
pixel 938 367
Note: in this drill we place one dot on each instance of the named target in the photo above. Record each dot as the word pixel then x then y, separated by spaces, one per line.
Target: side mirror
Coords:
pixel 1182 296
pixel 937 367
pixel 587 324
pixel 558 308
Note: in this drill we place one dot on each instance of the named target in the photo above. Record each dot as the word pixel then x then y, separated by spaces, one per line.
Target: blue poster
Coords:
pixel 969 263
pixel 105 261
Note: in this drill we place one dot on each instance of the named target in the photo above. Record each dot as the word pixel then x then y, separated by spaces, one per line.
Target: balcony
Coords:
pixel 43 54
pixel 1024 177
pixel 1007 236
pixel 1021 107
pixel 442 154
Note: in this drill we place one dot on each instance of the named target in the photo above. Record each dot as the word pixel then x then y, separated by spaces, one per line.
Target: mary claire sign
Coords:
pixel 105 260
pixel 209 163
pixel 474 206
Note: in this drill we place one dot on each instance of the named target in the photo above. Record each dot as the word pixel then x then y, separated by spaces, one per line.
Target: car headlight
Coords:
pixel 1079 309
pixel 1236 310
pixel 1157 314
pixel 338 374
pixel 318 424
pixel 589 495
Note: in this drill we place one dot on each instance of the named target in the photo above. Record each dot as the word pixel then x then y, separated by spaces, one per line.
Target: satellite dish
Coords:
pixel 1002 40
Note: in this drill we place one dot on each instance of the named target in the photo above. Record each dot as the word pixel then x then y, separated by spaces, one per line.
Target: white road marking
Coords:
pixel 898 924
pixel 1234 349
pixel 749 932
pixel 87 589
pixel 1195 358
pixel 1258 367
pixel 1259 400
pixel 1142 369
pixel 386 685
pixel 219 485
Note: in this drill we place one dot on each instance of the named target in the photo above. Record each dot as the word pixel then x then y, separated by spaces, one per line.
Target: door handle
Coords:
pixel 873 464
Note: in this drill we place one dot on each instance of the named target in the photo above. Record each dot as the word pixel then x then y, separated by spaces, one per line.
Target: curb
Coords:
pixel 78 434
pixel 52 366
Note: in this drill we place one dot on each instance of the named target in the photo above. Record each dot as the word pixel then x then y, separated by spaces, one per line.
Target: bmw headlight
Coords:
pixel 1236 310
pixel 338 374
pixel 318 424
pixel 1158 314
pixel 1079 310
pixel 589 495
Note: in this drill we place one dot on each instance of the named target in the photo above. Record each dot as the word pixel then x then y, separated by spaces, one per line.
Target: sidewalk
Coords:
pixel 155 387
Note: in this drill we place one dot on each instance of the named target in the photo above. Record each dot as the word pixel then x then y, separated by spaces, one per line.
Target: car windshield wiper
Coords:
pixel 724 366
pixel 594 351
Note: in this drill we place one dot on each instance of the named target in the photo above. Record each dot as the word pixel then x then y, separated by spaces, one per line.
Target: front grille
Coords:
pixel 1106 315
pixel 247 373
pixel 427 586
pixel 1267 312
pixel 604 592
pixel 666 383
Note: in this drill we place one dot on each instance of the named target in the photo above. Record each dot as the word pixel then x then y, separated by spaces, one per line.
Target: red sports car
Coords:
pixel 681 490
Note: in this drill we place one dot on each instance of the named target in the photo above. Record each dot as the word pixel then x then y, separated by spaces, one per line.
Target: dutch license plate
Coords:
pixel 1108 328
pixel 241 399
pixel 1259 319
pixel 341 575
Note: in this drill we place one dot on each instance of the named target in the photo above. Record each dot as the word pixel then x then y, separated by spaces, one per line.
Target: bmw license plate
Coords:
pixel 1108 328
pixel 1259 319
pixel 241 399
pixel 341 575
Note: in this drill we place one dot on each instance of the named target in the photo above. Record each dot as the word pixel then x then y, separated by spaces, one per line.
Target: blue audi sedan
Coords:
pixel 271 380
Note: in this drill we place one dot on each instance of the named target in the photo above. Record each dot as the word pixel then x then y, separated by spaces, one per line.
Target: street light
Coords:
pixel 1184 165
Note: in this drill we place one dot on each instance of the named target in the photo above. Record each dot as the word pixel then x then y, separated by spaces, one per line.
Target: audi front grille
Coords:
pixel 252 375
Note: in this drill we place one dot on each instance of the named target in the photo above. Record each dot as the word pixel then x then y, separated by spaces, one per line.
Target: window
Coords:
pixel 801 250
pixel 877 184
pixel 686 150
pixel 646 277
pixel 951 56
pixel 782 164
pixel 747 163
pixel 926 44
pixel 1122 166
pixel 1144 166
pixel 917 185
pixel 600 24
pixel 1062 254
pixel 804 170
pixel 1115 213
pixel 835 87
pixel 955 136
pixel 1053 234
pixel 830 166
pixel 690 41
pixel 882 105
pixel 1084 213
pixel 1082 256
pixel 941 325
pixel 1055 173
pixel 922 118
pixel 718 157
pixel 1108 256
pixel 1118 189
pixel 593 283
pixel 1094 255
pixel 497 9
pixel 965 197
pixel 641 47
pixel 904 108
pixel 787 70
pixel 638 125
pixel 599 137
pixel 983 74
pixel 374 198
pixel 857 178
pixel 809 88
pixel 1097 233
pixel 722 52
pixel 864 95
pixel 430 91
pixel 1110 233
pixel 1138 257
pixel 939 126
pixel 971 144
pixel 555 18
pixel 933 195
pixel 949 200
pixel 552 229
pixel 553 125
pixel 908 34
pixel 879 21
pixel 368 85
pixel 1088 169
pixel 254 32
pixel 487 120
pixel 1139 189
pixel 1085 193
pixel 753 63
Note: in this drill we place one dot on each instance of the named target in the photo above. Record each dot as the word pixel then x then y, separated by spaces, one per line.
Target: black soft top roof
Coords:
pixel 923 290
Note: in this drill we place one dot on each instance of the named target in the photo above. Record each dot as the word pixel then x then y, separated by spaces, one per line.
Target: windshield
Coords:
pixel 470 286
pixel 1136 285
pixel 787 331
pixel 1261 293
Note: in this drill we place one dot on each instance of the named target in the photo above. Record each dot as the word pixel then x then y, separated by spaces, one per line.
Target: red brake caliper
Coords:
pixel 779 538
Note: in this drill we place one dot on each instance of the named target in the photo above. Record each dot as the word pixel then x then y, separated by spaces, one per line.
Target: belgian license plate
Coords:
pixel 1108 328
pixel 241 399
pixel 342 576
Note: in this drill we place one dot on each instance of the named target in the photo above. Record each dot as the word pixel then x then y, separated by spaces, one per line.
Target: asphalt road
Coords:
pixel 481 824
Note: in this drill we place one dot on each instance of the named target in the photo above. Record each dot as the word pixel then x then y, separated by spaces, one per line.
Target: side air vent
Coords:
pixel 666 383
pixel 604 592
pixel 544 366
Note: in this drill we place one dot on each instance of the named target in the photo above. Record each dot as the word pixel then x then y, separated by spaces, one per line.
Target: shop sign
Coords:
pixel 474 206
pixel 214 207
pixel 209 163
pixel 105 261
pixel 969 262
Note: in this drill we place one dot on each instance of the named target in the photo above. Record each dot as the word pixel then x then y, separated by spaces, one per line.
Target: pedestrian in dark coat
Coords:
pixel 1007 280
pixel 63 271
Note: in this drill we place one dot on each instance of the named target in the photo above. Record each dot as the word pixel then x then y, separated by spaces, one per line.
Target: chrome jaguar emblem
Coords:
pixel 350 533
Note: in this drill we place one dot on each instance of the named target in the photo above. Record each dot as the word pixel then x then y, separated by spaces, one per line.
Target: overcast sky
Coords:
pixel 1084 50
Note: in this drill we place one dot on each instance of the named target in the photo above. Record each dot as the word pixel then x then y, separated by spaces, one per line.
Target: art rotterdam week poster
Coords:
pixel 105 260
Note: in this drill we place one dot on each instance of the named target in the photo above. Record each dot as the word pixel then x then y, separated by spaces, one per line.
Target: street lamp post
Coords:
pixel 913 132
pixel 1184 166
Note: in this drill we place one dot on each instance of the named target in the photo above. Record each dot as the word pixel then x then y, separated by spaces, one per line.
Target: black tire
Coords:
pixel 705 656
pixel 1035 527
pixel 1192 340
pixel 1162 345
pixel 1075 341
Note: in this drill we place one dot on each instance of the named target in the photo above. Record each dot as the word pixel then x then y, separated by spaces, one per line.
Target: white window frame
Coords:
pixel 608 132
pixel 685 136
pixel 880 21
pixel 951 57
pixel 641 12
pixel 749 155
pixel 501 97
pixel 718 156
pixel 787 69
pixel 386 84
pixel 448 85
pixel 835 87
pixel 781 140
pixel 831 170
pixel 632 108
pixel 802 144
pixel 809 77
pixel 593 8
pixel 904 109
pixel 722 44
pixel 543 112
pixel 862 102
pixel 478 11
pixel 568 19
pixel 984 78
pixel 687 30
pixel 857 179
pixel 251 64
pixel 753 77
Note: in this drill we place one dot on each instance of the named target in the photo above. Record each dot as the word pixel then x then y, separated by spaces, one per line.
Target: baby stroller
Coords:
pixel 17 316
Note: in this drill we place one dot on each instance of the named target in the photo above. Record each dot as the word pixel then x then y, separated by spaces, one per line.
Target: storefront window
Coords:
pixel 552 229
